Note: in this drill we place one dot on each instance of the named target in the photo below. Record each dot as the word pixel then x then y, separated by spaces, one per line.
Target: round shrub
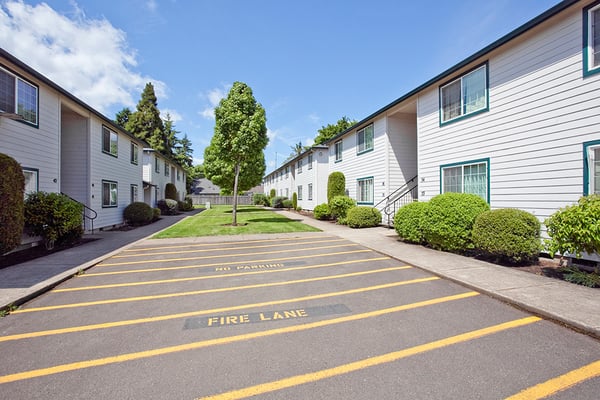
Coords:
pixel 155 214
pixel 448 221
pixel 53 216
pixel 508 235
pixel 167 206
pixel 188 204
pixel 12 184
pixel 408 222
pixel 138 213
pixel 287 203
pixel 170 191
pixel 336 185
pixel 272 193
pixel 322 212
pixel 277 202
pixel 575 229
pixel 363 217
pixel 260 199
pixel 339 206
pixel 295 200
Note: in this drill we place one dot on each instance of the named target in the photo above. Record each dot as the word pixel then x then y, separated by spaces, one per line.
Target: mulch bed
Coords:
pixel 32 253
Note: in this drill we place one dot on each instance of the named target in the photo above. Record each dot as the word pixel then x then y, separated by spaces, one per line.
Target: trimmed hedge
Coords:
pixel 12 184
pixel 171 191
pixel 155 214
pixel 508 235
pixel 167 206
pixel 138 213
pixel 295 200
pixel 261 199
pixel 322 212
pixel 575 229
pixel 336 185
pixel 287 203
pixel 277 202
pixel 448 221
pixel 53 216
pixel 339 206
pixel 363 217
pixel 408 222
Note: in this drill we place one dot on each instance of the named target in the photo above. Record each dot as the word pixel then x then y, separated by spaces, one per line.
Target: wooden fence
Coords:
pixel 201 200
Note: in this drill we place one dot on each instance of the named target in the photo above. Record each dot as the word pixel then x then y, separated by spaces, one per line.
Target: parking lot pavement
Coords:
pixel 309 315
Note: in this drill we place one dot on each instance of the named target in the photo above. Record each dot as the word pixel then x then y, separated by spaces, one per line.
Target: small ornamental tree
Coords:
pixel 294 200
pixel 336 185
pixel 170 191
pixel 12 184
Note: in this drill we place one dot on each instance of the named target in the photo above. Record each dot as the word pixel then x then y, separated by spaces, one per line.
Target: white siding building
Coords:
pixel 159 170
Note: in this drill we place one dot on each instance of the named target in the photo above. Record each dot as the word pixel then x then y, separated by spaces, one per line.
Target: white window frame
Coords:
pixel 133 193
pixel 591 165
pixel 591 61
pixel 310 161
pixel 338 149
pixel 299 192
pixel 32 180
pixel 310 191
pixel 19 100
pixel 135 152
pixel 112 200
pixel 110 138
pixel 157 165
pixel 299 166
pixel 167 169
pixel 365 139
pixel 460 168
pixel 365 195
pixel 463 110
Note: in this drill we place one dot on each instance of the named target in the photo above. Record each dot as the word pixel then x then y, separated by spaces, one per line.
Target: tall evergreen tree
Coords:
pixel 235 159
pixel 122 117
pixel 169 136
pixel 145 122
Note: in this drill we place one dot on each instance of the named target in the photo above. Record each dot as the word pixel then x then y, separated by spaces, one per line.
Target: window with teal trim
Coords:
pixel 470 177
pixel 591 38
pixel 364 139
pixel 364 191
pixel 591 167
pixel 18 97
pixel 465 95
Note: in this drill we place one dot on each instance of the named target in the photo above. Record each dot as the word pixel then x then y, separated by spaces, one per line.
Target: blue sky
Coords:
pixel 308 62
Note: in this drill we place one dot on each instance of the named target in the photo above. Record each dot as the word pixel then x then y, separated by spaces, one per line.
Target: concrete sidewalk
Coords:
pixel 573 305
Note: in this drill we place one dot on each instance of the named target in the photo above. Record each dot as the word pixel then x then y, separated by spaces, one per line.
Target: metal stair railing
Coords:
pixel 399 197
pixel 88 213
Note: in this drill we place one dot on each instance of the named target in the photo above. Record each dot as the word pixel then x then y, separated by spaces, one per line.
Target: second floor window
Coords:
pixel 18 96
pixel 110 142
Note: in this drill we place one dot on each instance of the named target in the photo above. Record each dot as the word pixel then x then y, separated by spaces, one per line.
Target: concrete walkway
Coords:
pixel 573 305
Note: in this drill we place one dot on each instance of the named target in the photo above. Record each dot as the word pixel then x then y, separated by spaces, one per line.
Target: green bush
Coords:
pixel 261 199
pixel 277 202
pixel 155 214
pixel 448 221
pixel 295 200
pixel 171 191
pixel 272 193
pixel 12 184
pixel 408 222
pixel 287 203
pixel 575 229
pixel 336 185
pixel 575 275
pixel 138 213
pixel 167 206
pixel 188 204
pixel 53 216
pixel 322 212
pixel 363 217
pixel 339 206
pixel 508 235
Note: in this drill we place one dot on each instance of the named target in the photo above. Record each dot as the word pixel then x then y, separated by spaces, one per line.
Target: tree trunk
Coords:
pixel 235 193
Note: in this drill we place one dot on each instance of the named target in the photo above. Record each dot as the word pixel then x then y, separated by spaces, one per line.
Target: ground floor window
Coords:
pixel 468 177
pixel 591 167
pixel 31 180
pixel 134 193
pixel 300 192
pixel 364 190
pixel 110 194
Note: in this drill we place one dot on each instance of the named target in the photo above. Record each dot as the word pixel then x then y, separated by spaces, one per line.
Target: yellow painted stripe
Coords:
pixel 199 278
pixel 146 254
pixel 205 291
pixel 106 325
pixel 559 383
pixel 220 256
pixel 233 264
pixel 218 341
pixel 368 362
pixel 295 239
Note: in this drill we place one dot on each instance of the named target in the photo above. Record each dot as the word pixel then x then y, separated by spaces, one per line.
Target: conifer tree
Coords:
pixel 145 122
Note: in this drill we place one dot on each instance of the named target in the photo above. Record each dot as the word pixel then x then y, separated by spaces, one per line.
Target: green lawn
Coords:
pixel 217 221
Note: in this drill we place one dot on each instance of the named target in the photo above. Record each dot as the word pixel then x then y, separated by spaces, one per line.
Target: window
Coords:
pixel 178 174
pixel 591 39
pixel 287 192
pixel 31 180
pixel 310 191
pixel 110 142
pixel 310 160
pixel 18 97
pixel 156 165
pixel 110 194
pixel 364 138
pixel 287 172
pixel 364 191
pixel 167 168
pixel 469 177
pixel 134 153
pixel 338 150
pixel 464 96
pixel 299 167
pixel 134 193
pixel 591 168
pixel 300 192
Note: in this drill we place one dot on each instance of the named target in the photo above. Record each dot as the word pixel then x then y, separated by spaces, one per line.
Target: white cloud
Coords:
pixel 175 116
pixel 152 5
pixel 88 57
pixel 213 97
pixel 198 161
pixel 272 134
pixel 314 118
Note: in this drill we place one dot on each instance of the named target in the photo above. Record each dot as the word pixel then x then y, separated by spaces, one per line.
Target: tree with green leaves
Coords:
pixel 235 159
pixel 183 155
pixel 330 131
pixel 122 117
pixel 145 123
pixel 169 136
